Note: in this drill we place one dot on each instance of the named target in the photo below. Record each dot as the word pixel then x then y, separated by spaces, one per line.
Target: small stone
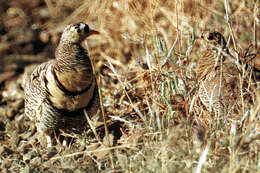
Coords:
pixel 28 156
pixel 18 104
pixel 44 37
pixel 36 161
pixel 24 147
pixel 13 108
pixel 2 136
pixel 12 91
pixel 68 171
pixel 15 138
pixel 6 164
pixel 51 151
pixel 5 151
pixel 77 171
pixel 26 169
pixel 26 135
pixel 5 170
pixel 10 113
pixel 2 111
pixel 6 75
pixel 2 126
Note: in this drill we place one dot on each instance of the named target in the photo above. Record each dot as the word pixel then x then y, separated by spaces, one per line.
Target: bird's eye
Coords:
pixel 210 37
pixel 86 29
pixel 78 30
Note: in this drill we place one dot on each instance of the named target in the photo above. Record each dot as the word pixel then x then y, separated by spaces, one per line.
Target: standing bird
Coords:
pixel 218 77
pixel 58 91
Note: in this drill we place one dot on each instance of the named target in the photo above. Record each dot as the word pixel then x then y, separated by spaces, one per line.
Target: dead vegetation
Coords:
pixel 145 57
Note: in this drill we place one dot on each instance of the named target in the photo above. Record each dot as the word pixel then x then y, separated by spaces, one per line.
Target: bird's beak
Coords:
pixel 92 32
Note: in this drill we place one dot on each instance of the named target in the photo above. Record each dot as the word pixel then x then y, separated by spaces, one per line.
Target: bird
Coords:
pixel 58 91
pixel 218 77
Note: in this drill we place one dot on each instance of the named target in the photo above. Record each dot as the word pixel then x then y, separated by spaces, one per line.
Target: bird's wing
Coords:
pixel 36 90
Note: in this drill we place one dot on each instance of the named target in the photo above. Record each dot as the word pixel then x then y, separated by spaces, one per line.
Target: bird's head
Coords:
pixel 75 33
pixel 214 38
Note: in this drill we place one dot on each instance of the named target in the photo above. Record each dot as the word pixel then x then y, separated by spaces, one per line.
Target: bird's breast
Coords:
pixel 70 90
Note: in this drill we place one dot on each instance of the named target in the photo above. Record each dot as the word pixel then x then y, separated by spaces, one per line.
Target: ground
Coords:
pixel 145 58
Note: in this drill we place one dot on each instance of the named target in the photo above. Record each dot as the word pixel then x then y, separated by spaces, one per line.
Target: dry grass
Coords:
pixel 171 131
pixel 145 58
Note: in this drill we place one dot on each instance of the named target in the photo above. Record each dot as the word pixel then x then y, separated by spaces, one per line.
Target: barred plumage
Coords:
pixel 57 91
pixel 218 77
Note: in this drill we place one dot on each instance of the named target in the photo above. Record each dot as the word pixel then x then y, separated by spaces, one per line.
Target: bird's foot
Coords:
pixel 48 139
pixel 65 142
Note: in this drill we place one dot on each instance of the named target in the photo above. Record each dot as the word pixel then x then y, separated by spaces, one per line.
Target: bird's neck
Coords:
pixel 205 64
pixel 70 56
pixel 73 67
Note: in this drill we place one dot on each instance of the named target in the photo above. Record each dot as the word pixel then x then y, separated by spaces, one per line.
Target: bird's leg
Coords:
pixel 47 135
pixel 61 139
pixel 48 139
pixel 65 142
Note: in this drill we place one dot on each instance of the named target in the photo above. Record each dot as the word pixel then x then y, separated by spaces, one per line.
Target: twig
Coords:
pixel 170 52
pixel 256 20
pixel 104 119
pixel 250 121
pixel 177 28
pixel 229 25
pixel 94 151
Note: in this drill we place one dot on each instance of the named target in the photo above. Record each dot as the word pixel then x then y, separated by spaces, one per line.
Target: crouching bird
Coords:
pixel 58 91
pixel 219 86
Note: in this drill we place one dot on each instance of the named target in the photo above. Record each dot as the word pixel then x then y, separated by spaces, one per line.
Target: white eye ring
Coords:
pixel 72 28
pixel 82 26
